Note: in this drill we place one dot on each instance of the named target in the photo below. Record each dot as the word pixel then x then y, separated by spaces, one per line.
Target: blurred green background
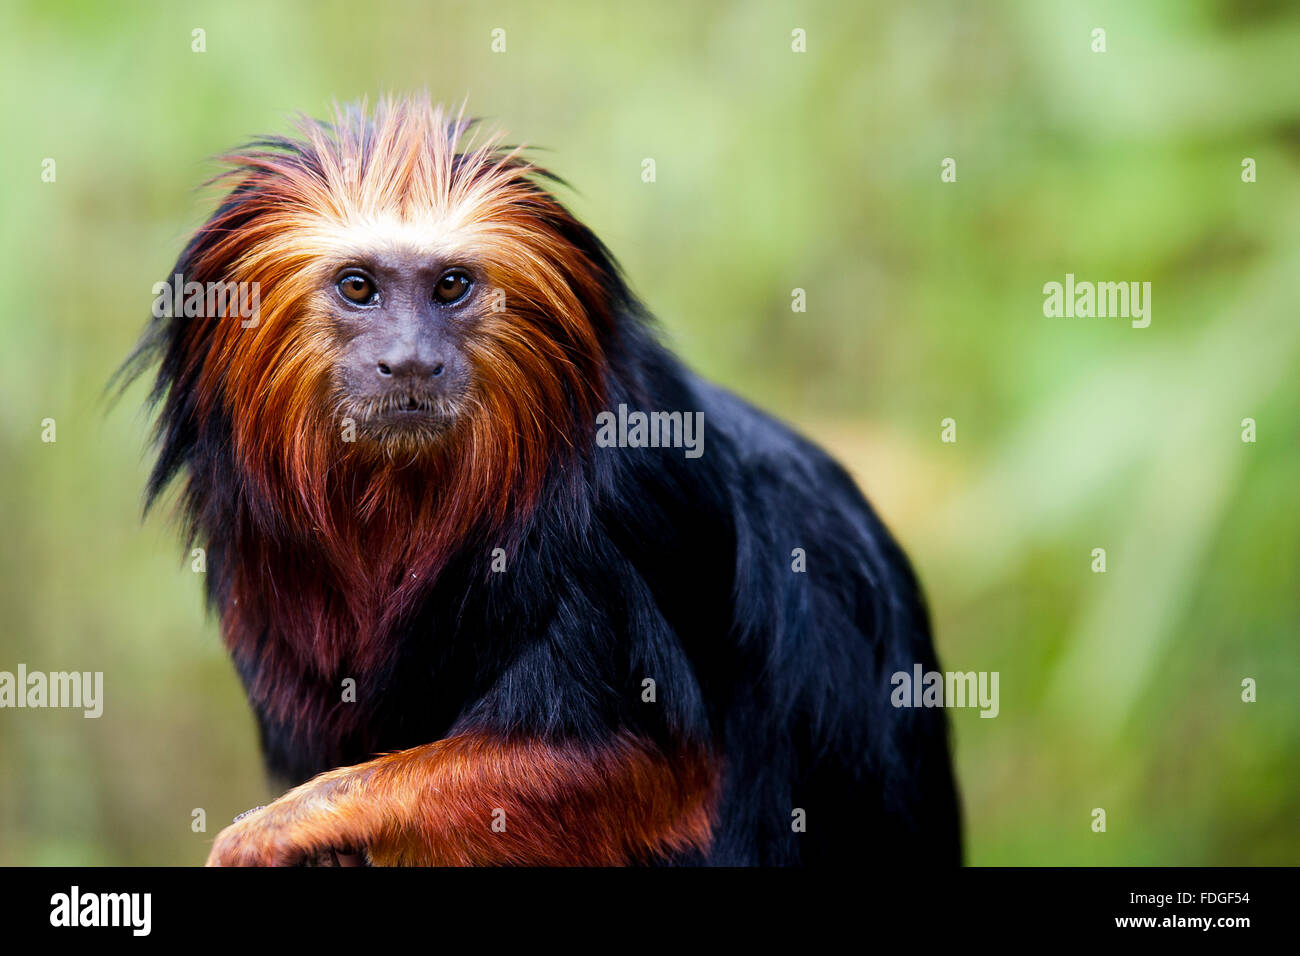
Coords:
pixel 775 170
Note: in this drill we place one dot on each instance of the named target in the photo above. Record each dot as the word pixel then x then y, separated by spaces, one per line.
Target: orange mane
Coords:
pixel 343 535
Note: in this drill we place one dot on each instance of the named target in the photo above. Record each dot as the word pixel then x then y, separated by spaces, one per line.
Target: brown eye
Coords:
pixel 452 286
pixel 356 288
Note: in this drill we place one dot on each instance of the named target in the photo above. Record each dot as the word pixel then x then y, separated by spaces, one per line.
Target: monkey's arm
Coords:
pixel 560 762
pixel 474 799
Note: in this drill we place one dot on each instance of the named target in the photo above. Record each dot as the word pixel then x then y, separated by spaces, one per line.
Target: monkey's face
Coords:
pixel 404 322
pixel 422 302
pixel 456 319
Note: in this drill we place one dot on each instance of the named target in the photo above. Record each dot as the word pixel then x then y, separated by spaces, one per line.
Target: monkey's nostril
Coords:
pixel 384 369
pixel 437 370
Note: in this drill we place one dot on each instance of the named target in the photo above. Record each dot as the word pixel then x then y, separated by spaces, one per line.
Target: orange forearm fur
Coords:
pixel 477 800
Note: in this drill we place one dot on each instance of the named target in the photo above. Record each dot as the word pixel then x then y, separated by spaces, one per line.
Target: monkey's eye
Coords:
pixel 452 286
pixel 356 288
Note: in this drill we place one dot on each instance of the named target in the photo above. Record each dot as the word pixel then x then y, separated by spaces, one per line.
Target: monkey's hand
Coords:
pixel 305 827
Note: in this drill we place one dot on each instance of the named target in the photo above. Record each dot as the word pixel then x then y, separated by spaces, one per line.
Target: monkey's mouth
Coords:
pixel 401 412
pixel 413 403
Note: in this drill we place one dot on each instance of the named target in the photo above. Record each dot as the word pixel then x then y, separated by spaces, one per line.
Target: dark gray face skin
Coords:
pixel 403 321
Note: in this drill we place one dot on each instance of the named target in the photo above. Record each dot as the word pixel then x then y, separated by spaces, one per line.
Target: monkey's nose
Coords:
pixel 410 369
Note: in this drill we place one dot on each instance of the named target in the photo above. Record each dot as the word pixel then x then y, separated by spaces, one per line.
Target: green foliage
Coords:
pixel 775 170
